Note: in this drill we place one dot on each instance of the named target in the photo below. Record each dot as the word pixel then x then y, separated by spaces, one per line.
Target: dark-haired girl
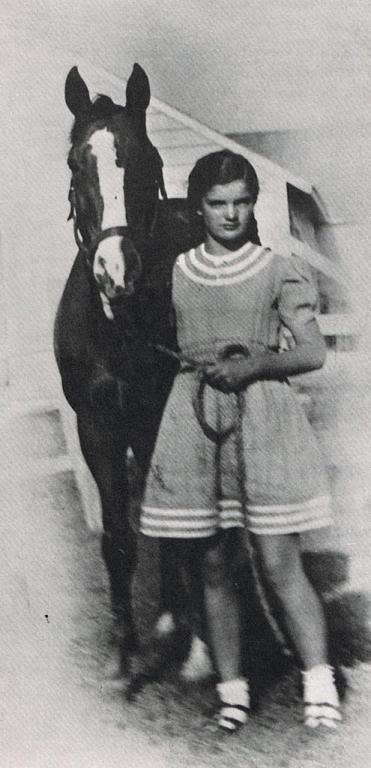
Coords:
pixel 232 297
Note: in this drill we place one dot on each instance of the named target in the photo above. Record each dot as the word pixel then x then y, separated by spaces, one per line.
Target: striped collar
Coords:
pixel 233 267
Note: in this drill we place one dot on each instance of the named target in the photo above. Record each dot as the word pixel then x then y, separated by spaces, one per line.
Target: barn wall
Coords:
pixel 336 160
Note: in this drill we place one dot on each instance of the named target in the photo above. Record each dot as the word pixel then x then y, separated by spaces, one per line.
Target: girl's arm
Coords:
pixel 309 353
pixel 237 373
pixel 297 306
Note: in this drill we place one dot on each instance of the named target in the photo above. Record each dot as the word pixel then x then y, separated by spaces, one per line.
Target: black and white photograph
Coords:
pixel 185 396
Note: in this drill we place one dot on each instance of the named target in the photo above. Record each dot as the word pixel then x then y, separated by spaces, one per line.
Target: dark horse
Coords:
pixel 114 309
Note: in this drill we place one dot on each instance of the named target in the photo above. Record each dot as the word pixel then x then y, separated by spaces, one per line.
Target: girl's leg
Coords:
pixel 282 564
pixel 223 620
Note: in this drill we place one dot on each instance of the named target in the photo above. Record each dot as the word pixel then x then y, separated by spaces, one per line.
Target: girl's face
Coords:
pixel 227 210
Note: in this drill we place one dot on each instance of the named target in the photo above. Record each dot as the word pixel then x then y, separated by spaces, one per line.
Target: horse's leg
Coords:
pixel 174 607
pixel 106 458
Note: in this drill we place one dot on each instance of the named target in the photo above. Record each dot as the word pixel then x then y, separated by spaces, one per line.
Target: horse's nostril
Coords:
pixel 119 291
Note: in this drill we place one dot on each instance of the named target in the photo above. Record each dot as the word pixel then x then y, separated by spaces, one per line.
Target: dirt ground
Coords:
pixel 58 706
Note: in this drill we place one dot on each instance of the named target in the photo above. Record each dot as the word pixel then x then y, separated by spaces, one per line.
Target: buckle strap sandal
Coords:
pixel 321 700
pixel 235 704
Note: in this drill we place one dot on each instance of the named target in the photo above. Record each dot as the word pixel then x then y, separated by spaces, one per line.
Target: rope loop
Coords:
pixel 198 398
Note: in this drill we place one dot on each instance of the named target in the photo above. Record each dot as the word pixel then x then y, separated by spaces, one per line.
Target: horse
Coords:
pixel 114 309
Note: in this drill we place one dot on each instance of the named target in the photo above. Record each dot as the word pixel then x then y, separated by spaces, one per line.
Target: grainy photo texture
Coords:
pixel 185 460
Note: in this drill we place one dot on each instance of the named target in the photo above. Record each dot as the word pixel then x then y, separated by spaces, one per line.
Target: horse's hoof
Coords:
pixel 165 626
pixel 115 672
pixel 136 684
pixel 198 666
pixel 125 645
pixel 144 669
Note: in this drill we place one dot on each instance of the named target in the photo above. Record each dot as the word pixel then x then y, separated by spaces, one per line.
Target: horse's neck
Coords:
pixel 174 230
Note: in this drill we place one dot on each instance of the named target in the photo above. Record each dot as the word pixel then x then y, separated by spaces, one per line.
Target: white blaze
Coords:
pixel 111 179
pixel 109 267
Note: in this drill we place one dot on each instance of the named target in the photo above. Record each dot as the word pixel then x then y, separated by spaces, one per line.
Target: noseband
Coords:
pixel 120 231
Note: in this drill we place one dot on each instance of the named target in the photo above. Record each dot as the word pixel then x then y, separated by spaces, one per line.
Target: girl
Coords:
pixel 231 298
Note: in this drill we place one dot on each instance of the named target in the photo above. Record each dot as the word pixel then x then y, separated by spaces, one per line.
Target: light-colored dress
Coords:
pixel 193 487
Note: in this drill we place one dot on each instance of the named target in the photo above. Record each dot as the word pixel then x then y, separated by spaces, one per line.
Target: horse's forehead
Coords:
pixel 110 251
pixel 119 128
pixel 102 141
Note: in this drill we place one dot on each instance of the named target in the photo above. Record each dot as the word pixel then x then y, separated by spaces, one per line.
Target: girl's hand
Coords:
pixel 232 375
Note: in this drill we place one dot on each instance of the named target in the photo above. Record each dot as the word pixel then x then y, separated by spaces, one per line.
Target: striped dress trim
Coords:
pixel 184 523
pixel 290 518
pixel 202 267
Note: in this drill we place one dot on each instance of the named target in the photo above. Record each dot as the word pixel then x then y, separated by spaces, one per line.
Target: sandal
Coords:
pixel 235 704
pixel 321 699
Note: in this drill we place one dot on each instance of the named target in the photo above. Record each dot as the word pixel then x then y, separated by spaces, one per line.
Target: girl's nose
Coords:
pixel 231 211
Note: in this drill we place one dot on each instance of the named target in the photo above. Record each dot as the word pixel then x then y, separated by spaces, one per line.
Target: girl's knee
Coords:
pixel 281 566
pixel 278 574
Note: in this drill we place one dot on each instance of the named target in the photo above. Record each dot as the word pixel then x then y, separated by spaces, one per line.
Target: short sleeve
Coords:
pixel 297 292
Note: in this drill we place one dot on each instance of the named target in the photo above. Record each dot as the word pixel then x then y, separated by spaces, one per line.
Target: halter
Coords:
pixel 111 231
pixel 120 231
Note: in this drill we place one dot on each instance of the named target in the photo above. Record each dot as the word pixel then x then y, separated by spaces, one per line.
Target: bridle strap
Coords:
pixel 120 231
pixel 111 231
pixel 72 215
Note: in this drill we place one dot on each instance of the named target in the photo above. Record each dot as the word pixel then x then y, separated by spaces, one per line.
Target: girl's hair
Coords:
pixel 221 168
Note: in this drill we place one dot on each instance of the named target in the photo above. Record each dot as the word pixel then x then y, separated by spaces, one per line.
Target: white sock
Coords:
pixel 321 699
pixel 235 700
pixel 234 692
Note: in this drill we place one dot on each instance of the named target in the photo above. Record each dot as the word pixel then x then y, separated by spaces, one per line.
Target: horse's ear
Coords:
pixel 138 93
pixel 76 92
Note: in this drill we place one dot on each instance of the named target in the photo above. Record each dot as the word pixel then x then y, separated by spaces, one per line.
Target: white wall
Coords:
pixel 338 162
pixel 244 65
